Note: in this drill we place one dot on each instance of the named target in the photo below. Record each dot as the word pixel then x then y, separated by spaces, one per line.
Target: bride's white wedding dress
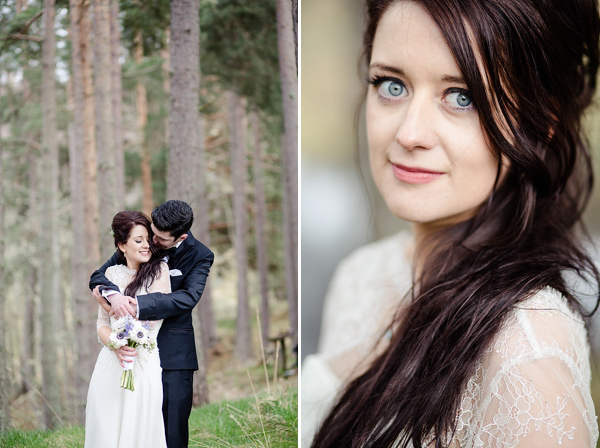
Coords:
pixel 120 418
pixel 531 388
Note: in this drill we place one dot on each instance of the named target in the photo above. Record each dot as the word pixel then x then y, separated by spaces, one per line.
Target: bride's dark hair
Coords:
pixel 122 224
pixel 530 66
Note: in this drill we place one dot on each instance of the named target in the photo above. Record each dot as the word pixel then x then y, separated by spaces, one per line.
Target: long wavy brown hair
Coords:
pixel 539 60
pixel 122 224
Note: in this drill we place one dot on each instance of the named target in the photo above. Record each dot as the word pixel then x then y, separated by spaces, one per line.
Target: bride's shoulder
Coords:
pixel 543 326
pixel 116 269
pixel 386 254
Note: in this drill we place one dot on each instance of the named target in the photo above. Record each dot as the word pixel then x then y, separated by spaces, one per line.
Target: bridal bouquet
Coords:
pixel 131 332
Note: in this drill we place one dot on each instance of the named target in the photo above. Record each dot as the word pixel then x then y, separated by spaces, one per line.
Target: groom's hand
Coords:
pixel 122 305
pixel 101 300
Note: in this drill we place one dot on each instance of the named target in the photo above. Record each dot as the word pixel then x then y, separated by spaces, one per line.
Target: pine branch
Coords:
pixel 24 37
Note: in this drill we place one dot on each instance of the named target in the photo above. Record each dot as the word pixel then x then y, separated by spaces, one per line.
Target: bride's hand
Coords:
pixel 124 354
pixel 122 305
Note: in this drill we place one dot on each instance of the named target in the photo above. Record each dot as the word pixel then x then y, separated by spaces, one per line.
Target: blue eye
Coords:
pixel 391 89
pixel 388 87
pixel 460 99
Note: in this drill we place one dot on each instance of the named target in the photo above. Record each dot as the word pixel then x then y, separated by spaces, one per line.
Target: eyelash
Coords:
pixel 377 80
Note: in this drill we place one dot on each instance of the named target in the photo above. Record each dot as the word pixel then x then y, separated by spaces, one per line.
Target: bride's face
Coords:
pixel 428 153
pixel 137 247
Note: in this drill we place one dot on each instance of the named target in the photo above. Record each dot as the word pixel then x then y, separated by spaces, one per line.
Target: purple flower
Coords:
pixel 140 335
pixel 121 336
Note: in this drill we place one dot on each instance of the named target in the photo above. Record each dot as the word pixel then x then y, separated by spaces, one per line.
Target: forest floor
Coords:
pixel 245 408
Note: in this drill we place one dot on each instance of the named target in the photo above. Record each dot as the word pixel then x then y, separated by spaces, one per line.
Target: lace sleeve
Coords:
pixel 163 282
pixel 535 405
pixel 102 321
pixel 537 382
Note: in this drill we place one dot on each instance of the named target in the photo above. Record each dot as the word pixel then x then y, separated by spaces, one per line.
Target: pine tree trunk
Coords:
pixel 184 143
pixel 104 125
pixel 48 241
pixel 202 229
pixel 90 178
pixel 5 376
pixel 142 121
pixel 86 345
pixel 166 78
pixel 289 93
pixel 237 143
pixel 261 218
pixel 117 103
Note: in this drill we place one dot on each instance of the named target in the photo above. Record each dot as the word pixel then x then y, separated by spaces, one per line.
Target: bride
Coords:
pixel 467 332
pixel 117 417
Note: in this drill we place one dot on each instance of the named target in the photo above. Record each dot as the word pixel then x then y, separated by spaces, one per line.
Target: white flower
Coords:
pixel 139 334
pixel 118 325
pixel 116 340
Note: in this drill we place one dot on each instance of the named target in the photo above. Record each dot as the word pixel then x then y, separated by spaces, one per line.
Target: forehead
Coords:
pixel 137 231
pixel 408 36
pixel 160 233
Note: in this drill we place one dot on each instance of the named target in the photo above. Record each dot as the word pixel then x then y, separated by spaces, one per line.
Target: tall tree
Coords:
pixel 142 120
pixel 184 52
pixel 259 228
pixel 90 178
pixel 48 241
pixel 85 309
pixel 5 383
pixel 202 227
pixel 289 90
pixel 237 143
pixel 117 103
pixel 104 124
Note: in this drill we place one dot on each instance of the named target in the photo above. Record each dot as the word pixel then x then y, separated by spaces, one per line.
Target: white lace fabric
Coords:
pixel 530 389
pixel 121 276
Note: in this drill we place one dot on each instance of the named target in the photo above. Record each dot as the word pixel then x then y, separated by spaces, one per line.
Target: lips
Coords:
pixel 415 175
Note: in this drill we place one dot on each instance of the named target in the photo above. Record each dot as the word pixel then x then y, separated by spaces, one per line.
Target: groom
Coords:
pixel 189 263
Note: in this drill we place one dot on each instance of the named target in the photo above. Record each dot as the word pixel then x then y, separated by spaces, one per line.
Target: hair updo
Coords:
pixel 122 225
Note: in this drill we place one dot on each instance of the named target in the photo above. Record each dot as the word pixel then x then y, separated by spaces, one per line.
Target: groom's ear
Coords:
pixel 183 237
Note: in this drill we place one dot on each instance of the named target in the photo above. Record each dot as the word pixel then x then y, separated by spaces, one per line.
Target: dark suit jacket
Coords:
pixel 176 337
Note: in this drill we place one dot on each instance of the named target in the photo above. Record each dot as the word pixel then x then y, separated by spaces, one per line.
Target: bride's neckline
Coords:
pixel 132 271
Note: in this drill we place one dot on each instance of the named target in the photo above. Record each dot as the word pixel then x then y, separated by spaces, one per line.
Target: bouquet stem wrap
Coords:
pixel 127 375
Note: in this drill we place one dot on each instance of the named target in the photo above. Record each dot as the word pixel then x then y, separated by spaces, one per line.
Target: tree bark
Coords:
pixel 117 103
pixel 184 144
pixel 237 143
pixel 84 206
pixel 202 229
pixel 166 79
pixel 142 121
pixel 104 125
pixel 90 179
pixel 48 241
pixel 5 382
pixel 261 218
pixel 289 93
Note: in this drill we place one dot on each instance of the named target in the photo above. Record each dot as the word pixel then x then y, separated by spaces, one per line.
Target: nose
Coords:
pixel 154 239
pixel 416 129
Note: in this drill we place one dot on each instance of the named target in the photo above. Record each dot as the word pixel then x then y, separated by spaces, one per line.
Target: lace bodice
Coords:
pixel 121 276
pixel 530 389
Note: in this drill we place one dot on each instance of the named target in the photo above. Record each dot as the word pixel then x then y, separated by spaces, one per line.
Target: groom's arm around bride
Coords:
pixel 189 264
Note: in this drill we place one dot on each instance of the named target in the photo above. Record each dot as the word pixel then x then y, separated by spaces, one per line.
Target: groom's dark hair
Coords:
pixel 175 217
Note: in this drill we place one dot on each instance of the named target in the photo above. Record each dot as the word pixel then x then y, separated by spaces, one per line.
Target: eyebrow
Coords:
pixel 398 71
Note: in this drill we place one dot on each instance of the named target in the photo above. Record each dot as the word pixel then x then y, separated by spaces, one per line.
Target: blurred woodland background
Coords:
pixel 108 105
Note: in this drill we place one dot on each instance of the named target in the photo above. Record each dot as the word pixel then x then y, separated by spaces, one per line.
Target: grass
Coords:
pixel 66 437
pixel 237 423
pixel 250 422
